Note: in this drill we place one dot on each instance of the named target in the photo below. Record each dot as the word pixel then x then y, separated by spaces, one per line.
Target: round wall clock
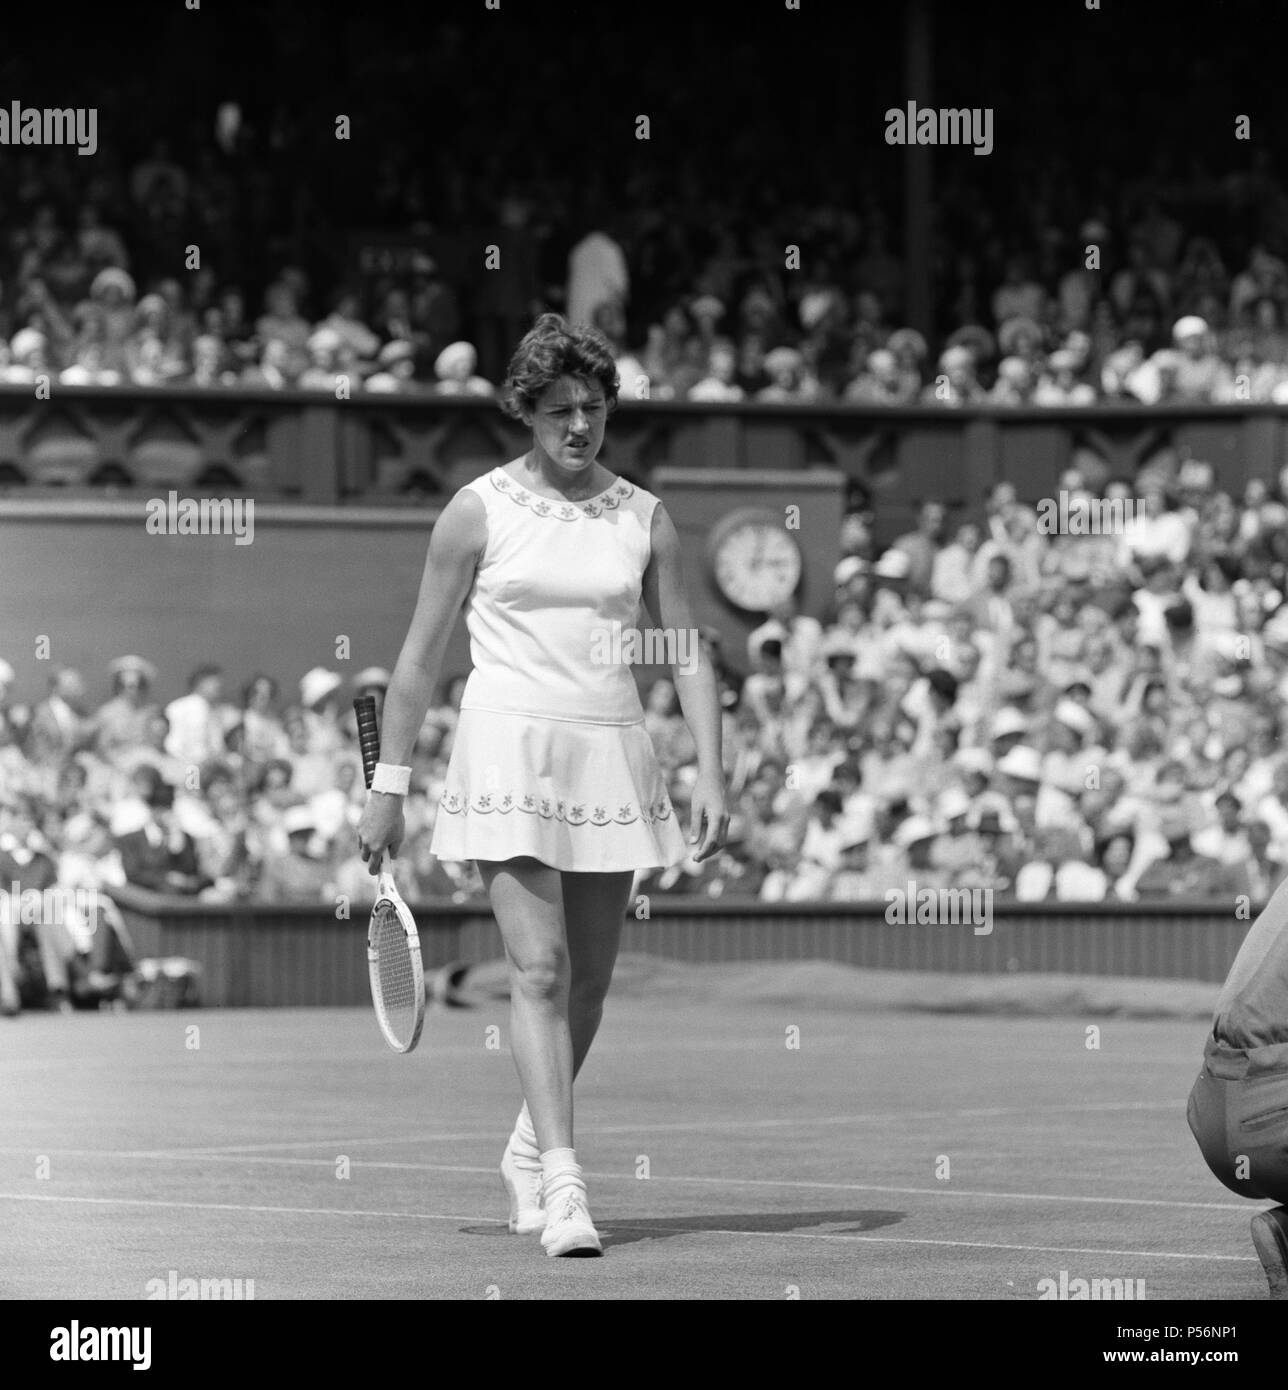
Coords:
pixel 755 560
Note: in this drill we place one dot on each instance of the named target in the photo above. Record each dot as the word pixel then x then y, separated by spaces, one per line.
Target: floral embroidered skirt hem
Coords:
pixel 586 797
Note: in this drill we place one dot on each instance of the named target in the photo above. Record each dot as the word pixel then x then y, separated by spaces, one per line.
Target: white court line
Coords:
pixel 609 1226
pixel 687 1126
pixel 234 1149
pixel 675 1178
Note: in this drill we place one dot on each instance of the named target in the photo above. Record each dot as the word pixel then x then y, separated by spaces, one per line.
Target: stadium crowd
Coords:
pixel 1064 717
pixel 247 247
pixel 1166 321
pixel 1085 717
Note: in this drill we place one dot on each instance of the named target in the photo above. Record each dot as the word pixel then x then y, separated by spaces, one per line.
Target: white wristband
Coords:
pixel 391 779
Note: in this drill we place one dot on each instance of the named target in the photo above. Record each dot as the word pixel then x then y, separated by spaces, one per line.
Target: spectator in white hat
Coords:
pixel 108 315
pixel 454 370
pixel 956 383
pixel 373 681
pixel 320 711
pixel 883 381
pixel 1007 728
pixel 802 639
pixel 397 362
pixel 123 720
pixel 922 548
pixel 1199 370
pixel 156 321
pixel 1073 752
pixel 851 578
pixel 785 368
pixel 845 698
pixel 1016 382
pixel 955 848
pixel 329 364
pixel 301 875
pixel 720 383
pixel 29 351
pixel 855 880
pixel 892 569
pixel 917 838
pixel 1019 769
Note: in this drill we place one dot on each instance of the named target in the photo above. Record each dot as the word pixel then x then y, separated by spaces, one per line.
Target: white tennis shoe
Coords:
pixel 569 1229
pixel 522 1179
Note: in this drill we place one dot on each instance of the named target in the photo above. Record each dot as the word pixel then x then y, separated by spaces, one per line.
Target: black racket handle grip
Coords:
pixel 368 735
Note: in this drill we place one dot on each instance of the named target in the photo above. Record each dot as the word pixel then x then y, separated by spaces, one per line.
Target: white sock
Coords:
pixel 560 1170
pixel 523 1141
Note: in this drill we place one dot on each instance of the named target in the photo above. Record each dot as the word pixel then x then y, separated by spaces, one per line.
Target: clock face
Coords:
pixel 756 562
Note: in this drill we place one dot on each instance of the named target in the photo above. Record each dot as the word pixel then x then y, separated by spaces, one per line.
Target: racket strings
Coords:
pixel 395 970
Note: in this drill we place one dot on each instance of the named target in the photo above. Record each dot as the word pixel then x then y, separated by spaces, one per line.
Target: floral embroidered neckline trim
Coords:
pixel 611 498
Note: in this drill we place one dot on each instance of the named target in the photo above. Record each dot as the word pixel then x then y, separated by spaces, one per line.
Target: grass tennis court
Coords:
pixel 771 1169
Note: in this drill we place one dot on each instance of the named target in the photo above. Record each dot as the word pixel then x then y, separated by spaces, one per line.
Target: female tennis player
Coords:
pixel 552 785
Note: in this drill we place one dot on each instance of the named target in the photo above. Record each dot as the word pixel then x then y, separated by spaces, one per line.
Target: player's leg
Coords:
pixel 527 899
pixel 594 905
pixel 1262 1136
pixel 1239 1115
pixel 1270 1238
pixel 594 908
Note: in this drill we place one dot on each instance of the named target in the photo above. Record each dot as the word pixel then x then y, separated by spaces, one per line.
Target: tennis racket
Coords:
pixel 393 941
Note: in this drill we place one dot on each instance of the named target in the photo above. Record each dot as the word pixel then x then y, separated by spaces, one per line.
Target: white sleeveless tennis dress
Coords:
pixel 551 758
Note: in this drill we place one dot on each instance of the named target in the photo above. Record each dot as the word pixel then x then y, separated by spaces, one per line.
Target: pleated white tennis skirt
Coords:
pixel 586 797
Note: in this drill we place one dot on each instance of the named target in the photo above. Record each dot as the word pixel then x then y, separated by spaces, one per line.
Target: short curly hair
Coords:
pixel 552 348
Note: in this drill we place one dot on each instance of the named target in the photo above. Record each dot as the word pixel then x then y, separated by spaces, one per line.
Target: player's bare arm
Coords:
pixel 455 545
pixel 667 601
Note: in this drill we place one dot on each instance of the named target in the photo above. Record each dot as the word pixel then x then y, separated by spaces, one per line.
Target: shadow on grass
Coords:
pixel 626 1230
